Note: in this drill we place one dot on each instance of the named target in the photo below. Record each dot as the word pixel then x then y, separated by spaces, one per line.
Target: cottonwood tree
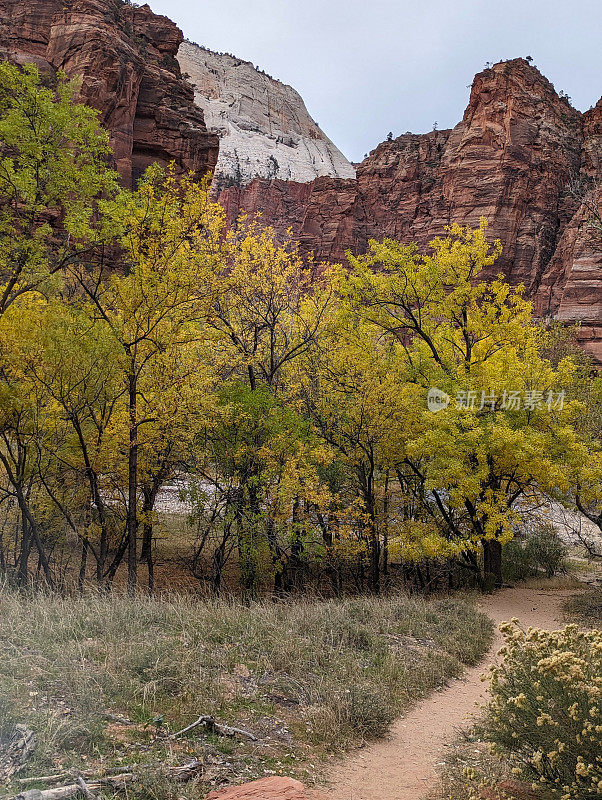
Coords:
pixel 75 366
pixel 22 429
pixel 268 313
pixel 584 464
pixel 352 392
pixel 472 338
pixel 54 164
pixel 151 299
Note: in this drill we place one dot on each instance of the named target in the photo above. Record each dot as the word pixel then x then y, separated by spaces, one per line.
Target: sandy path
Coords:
pixel 403 767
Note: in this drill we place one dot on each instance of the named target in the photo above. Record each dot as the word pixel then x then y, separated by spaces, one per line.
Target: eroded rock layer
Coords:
pixel 521 157
pixel 125 56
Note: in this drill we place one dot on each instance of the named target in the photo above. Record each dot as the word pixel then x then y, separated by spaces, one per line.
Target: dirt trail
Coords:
pixel 403 767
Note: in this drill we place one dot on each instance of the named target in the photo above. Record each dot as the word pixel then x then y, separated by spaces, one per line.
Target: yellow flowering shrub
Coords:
pixel 546 708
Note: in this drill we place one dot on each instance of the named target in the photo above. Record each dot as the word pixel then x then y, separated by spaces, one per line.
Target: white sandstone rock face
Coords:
pixel 264 128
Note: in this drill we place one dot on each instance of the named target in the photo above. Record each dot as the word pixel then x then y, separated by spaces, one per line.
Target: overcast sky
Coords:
pixel 367 68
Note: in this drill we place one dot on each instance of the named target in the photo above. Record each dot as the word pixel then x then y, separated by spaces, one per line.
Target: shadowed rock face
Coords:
pixel 514 159
pixel 126 58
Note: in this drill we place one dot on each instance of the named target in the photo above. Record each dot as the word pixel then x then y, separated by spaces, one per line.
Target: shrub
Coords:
pixel 541 551
pixel 546 708
pixel 546 550
pixel 369 711
pixel 516 564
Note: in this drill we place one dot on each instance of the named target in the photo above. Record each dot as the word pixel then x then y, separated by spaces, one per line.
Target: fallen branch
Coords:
pixel 63 792
pixel 60 776
pixel 85 789
pixel 185 772
pixel 60 793
pixel 181 773
pixel 215 727
pixel 111 772
pixel 45 778
pixel 14 755
pixel 227 730
pixel 116 781
pixel 203 720
pixel 116 718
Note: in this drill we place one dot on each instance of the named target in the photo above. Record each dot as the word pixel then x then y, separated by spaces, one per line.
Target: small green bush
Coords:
pixel 546 708
pixel 546 550
pixel 540 552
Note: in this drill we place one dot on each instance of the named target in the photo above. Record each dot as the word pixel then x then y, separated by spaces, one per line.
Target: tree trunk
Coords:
pixel 277 557
pixel 35 537
pixel 132 512
pixel 294 567
pixel 219 559
pixel 374 561
pixel 246 544
pixel 385 525
pixel 109 575
pixel 29 524
pixel 149 494
pixel 492 563
pixel 97 502
pixel 81 580
pixel 25 550
pixel 366 480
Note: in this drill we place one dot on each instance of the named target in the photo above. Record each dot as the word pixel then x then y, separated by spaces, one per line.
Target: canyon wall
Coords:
pixel 264 127
pixel 521 157
pixel 125 56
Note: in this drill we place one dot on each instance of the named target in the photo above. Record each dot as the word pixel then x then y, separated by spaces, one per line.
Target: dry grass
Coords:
pixel 305 677
pixel 586 608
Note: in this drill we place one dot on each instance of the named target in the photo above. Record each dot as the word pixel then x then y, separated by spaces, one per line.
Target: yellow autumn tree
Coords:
pixel 151 298
pixel 260 458
pixel 498 434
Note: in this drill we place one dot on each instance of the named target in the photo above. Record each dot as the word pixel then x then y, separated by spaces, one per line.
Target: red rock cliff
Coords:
pixel 126 58
pixel 514 158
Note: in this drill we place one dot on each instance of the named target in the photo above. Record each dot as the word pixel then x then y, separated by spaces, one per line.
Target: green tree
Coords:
pixel 267 315
pixel 54 164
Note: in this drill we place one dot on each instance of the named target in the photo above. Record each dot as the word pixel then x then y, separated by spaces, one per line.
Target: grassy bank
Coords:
pixel 304 678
